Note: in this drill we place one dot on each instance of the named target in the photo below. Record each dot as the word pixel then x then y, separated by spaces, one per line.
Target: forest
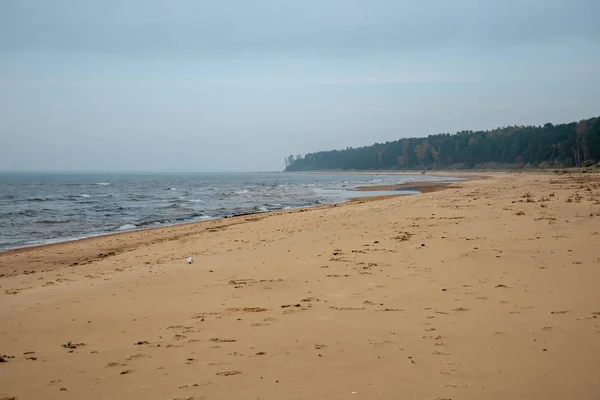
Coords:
pixel 574 144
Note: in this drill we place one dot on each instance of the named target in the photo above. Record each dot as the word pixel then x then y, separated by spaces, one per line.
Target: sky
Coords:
pixel 237 85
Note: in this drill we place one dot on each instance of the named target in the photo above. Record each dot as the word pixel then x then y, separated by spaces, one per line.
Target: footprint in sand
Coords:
pixel 136 357
pixel 115 364
pixel 309 299
pixel 16 291
pixel 291 305
pixel 228 373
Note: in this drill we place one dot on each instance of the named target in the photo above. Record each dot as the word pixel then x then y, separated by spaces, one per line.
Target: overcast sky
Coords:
pixel 224 85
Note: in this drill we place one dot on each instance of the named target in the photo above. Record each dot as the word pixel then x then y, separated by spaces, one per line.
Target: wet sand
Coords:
pixel 422 187
pixel 487 289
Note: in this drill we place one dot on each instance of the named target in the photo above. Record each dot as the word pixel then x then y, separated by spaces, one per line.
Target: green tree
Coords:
pixel 421 150
pixel 574 143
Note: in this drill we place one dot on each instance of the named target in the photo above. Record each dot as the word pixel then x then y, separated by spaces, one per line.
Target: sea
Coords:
pixel 39 208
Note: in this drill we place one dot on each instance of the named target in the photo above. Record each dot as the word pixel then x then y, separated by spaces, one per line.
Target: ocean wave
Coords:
pixel 27 213
pixel 85 195
pixel 126 227
pixel 140 197
pixel 109 208
pixel 176 205
pixel 54 221
pixel 153 221
pixel 103 184
pixel 38 199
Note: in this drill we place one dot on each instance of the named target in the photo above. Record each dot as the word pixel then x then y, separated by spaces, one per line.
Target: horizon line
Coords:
pixel 131 172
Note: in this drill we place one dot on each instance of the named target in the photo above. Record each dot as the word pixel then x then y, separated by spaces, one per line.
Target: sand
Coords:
pixel 422 187
pixel 488 289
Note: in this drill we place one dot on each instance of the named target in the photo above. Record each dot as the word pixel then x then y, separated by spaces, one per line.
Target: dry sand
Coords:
pixel 473 292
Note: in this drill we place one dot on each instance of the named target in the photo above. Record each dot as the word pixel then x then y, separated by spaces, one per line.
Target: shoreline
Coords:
pixel 476 174
pixel 421 187
pixel 110 244
pixel 413 186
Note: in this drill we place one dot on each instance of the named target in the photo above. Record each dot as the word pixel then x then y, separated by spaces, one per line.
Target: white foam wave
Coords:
pixel 126 227
pixel 85 195
pixel 262 209
pixel 103 184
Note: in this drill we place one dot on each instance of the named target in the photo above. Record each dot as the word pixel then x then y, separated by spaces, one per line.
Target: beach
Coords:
pixel 486 288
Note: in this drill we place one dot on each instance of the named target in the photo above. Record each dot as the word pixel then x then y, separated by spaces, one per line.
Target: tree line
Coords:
pixel 574 144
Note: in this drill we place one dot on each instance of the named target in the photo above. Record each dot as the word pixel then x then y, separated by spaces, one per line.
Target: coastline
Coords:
pixel 93 248
pixel 422 187
pixel 457 291
pixel 160 233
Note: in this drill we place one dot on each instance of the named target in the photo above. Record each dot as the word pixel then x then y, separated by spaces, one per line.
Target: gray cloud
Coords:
pixel 246 28
pixel 237 85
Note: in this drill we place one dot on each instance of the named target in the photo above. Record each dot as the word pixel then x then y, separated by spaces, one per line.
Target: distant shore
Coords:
pixel 450 173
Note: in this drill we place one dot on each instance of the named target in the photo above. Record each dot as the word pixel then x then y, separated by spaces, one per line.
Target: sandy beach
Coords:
pixel 487 289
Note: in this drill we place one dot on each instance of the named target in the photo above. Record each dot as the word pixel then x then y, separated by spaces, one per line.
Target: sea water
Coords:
pixel 37 208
